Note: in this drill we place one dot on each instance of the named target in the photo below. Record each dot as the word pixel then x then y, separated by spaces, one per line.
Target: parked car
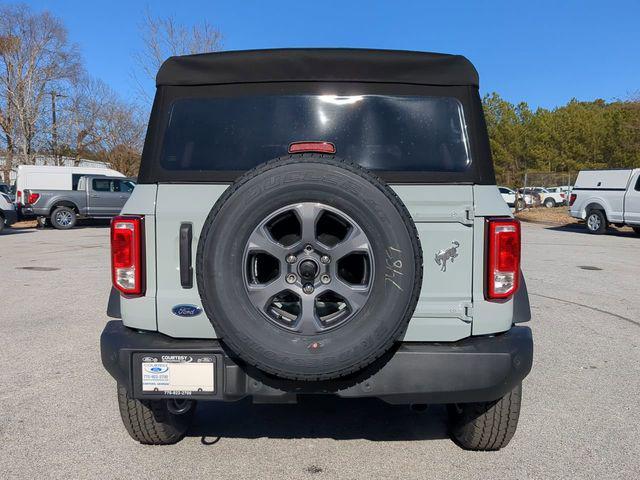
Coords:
pixel 542 196
pixel 8 215
pixel 566 189
pixel 551 199
pixel 4 188
pixel 286 268
pixel 513 198
pixel 508 195
pixel 96 197
pixel 531 197
pixel 603 197
pixel 39 177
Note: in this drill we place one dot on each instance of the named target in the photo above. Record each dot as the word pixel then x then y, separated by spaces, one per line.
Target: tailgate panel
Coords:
pixel 444 311
pixel 177 204
pixel 443 215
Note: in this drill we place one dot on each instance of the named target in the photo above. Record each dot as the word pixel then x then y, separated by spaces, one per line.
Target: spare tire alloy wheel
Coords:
pixel 309 268
pixel 328 267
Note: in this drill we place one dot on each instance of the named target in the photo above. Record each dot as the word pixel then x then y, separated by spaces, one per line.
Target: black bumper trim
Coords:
pixel 471 370
pixel 10 217
pixel 113 305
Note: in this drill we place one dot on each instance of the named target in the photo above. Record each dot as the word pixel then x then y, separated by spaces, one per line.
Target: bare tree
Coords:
pixel 8 44
pixel 165 37
pixel 85 114
pixel 35 60
pixel 122 137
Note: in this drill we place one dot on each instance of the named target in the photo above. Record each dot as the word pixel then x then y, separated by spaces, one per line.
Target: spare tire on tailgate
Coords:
pixel 309 268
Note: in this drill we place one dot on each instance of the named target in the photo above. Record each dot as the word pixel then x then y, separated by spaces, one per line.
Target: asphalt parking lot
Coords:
pixel 581 407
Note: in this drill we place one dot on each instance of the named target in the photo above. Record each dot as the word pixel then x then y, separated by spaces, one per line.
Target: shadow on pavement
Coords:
pixel 82 224
pixel 93 222
pixel 580 228
pixel 15 231
pixel 318 416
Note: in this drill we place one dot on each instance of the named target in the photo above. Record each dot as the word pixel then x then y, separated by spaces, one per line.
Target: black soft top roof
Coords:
pixel 318 64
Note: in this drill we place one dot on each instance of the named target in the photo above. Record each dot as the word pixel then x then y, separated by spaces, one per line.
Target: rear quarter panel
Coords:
pixel 488 316
pixel 612 202
pixel 140 312
pixel 49 198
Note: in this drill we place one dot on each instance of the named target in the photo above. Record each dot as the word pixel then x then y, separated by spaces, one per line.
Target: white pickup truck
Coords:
pixel 603 197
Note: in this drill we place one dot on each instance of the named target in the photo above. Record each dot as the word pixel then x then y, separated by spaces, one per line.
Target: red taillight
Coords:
pixel 503 263
pixel 572 199
pixel 127 261
pixel 19 197
pixel 33 198
pixel 316 147
pixel 562 195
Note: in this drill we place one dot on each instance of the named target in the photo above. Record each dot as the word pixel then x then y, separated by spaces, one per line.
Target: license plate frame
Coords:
pixel 170 374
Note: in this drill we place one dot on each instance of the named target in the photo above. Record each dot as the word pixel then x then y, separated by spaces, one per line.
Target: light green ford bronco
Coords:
pixel 317 221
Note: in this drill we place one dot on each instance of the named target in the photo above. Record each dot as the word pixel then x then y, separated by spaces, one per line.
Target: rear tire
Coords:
pixel 596 222
pixel 63 218
pixel 150 422
pixel 549 203
pixel 637 230
pixel 486 426
pixel 2 223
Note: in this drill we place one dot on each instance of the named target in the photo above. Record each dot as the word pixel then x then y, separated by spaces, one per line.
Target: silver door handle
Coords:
pixel 94 196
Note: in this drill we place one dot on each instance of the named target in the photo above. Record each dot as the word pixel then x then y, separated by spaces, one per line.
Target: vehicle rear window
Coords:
pixel 102 185
pixel 124 186
pixel 380 132
pixel 110 185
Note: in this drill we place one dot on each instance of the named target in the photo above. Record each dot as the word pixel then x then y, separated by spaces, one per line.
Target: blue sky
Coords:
pixel 543 52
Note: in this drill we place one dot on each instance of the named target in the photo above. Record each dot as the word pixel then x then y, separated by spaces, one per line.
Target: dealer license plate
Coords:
pixel 178 374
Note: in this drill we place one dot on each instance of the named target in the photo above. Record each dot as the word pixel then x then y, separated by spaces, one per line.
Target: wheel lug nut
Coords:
pixel 291 259
pixel 308 288
pixel 325 279
pixel 325 259
pixel 308 249
pixel 291 278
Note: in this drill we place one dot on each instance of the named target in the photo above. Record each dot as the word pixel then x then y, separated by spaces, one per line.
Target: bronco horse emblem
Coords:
pixel 449 254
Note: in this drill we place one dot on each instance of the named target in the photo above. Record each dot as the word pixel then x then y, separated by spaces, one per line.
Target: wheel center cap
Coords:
pixel 308 269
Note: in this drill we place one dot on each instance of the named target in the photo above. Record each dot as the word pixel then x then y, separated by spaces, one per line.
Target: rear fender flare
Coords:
pixel 63 203
pixel 595 206
pixel 521 306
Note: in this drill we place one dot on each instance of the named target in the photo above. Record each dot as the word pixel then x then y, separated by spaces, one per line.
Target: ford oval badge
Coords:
pixel 186 310
pixel 157 369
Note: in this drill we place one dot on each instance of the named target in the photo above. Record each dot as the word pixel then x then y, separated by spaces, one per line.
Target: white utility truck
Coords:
pixel 604 197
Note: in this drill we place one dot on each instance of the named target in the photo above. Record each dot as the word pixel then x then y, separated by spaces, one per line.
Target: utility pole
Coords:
pixel 54 127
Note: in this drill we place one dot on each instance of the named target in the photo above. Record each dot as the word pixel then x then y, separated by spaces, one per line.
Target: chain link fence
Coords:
pixel 528 196
pixel 549 179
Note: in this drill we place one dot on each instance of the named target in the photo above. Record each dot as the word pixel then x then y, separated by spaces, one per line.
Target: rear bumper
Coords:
pixel 33 211
pixel 24 212
pixel 10 217
pixel 575 214
pixel 471 370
